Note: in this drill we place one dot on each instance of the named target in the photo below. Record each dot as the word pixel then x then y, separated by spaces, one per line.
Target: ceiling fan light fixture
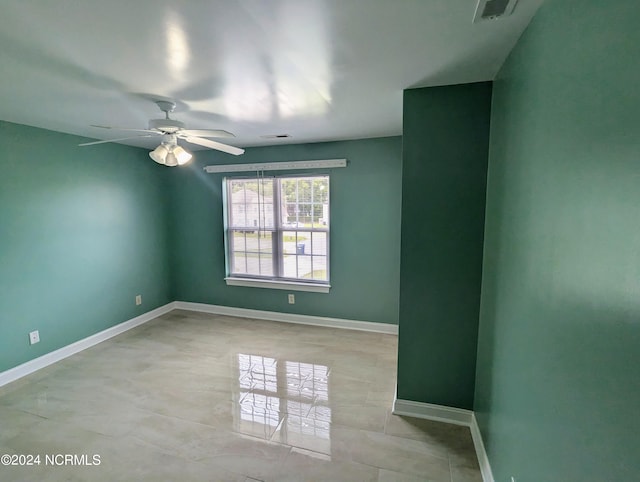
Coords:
pixel 170 154
pixel 181 155
pixel 171 160
pixel 159 154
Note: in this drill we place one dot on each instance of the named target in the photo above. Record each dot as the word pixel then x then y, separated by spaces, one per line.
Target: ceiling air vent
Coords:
pixel 492 9
pixel 276 136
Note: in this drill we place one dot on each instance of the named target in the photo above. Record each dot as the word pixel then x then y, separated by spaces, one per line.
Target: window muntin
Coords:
pixel 278 228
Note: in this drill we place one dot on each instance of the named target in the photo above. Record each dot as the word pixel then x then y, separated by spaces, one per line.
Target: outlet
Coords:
pixel 138 300
pixel 292 299
pixel 34 337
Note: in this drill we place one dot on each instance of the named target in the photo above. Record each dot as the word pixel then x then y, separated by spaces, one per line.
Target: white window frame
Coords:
pixel 277 281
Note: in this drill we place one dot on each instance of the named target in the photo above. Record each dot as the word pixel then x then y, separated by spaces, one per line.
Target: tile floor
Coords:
pixel 192 396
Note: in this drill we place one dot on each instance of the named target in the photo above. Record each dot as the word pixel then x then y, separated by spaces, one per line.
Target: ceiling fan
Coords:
pixel 170 130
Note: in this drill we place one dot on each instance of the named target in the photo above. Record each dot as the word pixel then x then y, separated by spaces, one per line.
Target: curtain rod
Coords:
pixel 277 166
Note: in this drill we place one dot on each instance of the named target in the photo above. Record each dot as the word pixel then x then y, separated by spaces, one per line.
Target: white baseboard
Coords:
pixel 457 416
pixel 439 413
pixel 31 366
pixel 408 408
pixel 483 460
pixel 387 328
pixel 43 361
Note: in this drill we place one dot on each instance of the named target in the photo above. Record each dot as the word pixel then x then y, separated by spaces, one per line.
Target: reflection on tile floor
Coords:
pixel 193 396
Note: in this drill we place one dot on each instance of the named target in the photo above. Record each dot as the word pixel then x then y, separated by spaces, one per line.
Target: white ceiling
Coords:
pixel 315 69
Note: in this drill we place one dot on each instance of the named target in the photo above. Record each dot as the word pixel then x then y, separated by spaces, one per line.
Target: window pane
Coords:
pixel 319 268
pixel 237 197
pixel 290 266
pixel 259 241
pixel 266 265
pixel 304 267
pixel 251 215
pixel 251 203
pixel 316 215
pixel 289 242
pixel 252 253
pixel 288 211
pixel 266 214
pixel 288 192
pixel 259 256
pixel 238 241
pixel 297 200
pixel 304 190
pixel 239 263
pixel 265 248
pixel 319 244
pixel 321 190
pixel 303 244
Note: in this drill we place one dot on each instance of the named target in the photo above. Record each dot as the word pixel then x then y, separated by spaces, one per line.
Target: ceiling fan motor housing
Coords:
pixel 166 125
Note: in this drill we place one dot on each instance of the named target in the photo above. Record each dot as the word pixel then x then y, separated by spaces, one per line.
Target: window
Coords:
pixel 277 231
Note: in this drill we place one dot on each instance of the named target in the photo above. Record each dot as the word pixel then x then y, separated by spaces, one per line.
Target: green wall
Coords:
pixel 445 142
pixel 365 232
pixel 82 231
pixel 558 388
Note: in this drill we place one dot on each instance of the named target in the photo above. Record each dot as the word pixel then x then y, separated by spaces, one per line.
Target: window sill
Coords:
pixel 278 285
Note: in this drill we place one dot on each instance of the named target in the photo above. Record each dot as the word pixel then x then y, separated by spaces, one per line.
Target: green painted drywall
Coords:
pixel 558 388
pixel 365 232
pixel 82 231
pixel 445 142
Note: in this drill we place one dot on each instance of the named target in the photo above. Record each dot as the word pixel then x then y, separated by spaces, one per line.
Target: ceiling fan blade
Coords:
pixel 206 133
pixel 112 140
pixel 236 151
pixel 126 129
